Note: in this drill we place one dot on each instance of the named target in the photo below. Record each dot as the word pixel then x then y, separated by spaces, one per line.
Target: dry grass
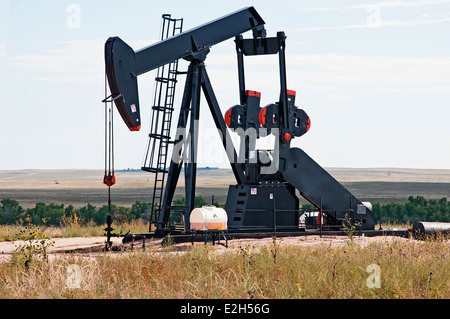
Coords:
pixel 409 269
pixel 71 229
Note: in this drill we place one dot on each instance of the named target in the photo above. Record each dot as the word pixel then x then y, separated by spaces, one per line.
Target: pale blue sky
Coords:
pixel 373 76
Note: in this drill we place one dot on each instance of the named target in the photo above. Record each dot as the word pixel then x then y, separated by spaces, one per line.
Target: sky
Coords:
pixel 374 77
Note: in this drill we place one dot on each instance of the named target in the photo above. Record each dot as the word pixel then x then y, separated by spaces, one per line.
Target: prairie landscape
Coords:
pixel 79 187
pixel 298 267
pixel 274 268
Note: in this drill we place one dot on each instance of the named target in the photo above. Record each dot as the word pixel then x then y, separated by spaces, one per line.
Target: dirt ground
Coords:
pixel 304 241
pixel 79 187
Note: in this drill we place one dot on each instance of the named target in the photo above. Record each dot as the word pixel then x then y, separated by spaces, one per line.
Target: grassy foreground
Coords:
pixel 406 269
pixel 71 229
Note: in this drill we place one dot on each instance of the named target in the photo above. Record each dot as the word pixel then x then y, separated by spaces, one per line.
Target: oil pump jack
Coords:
pixel 267 181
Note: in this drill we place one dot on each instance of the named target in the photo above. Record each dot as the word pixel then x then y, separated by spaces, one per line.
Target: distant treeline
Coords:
pixel 415 209
pixel 11 213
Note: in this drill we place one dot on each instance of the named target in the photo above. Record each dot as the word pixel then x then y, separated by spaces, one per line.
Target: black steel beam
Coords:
pixel 191 163
pixel 124 65
pixel 221 126
pixel 317 186
pixel 203 36
pixel 175 166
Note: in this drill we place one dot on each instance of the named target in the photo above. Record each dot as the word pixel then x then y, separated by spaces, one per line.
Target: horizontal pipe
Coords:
pixel 422 229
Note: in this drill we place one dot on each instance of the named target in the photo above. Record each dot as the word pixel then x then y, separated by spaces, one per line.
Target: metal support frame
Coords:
pixel 215 235
pixel 197 80
pixel 161 121
pixel 295 170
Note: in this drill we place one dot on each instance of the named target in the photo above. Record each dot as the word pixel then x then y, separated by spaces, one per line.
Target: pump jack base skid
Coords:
pixel 180 236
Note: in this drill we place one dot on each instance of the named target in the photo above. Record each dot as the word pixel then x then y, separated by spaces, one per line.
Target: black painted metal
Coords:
pixel 161 122
pixel 176 162
pixel 236 165
pixel 284 108
pixel 254 206
pixel 261 200
pixel 201 37
pixel 119 62
pixel 317 185
pixel 197 78
pixel 123 64
pixel 294 166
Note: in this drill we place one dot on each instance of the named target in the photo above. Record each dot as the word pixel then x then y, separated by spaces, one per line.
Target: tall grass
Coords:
pixel 409 269
pixel 75 229
pixel 72 228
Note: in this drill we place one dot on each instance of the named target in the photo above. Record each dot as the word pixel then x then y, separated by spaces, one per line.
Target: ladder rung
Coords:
pixel 162 108
pixel 158 136
pixel 165 80
pixel 176 207
pixel 154 170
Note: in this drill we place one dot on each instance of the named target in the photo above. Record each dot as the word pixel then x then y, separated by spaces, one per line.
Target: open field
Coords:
pixel 281 268
pixel 308 267
pixel 79 187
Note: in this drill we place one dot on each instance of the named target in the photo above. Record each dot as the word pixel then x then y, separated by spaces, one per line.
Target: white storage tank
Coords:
pixel 208 218
pixel 368 205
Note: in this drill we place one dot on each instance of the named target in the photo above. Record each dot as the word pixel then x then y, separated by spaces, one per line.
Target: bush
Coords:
pixel 415 209
pixel 43 214
pixel 10 212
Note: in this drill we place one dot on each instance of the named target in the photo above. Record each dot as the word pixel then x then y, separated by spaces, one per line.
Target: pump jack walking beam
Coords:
pixel 123 64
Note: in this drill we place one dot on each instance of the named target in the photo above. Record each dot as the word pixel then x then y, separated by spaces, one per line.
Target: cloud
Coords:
pixel 67 61
pixel 339 97
pixel 333 73
pixel 375 19
pixel 381 4
pixel 2 49
pixel 327 72
pixel 82 62
pixel 424 20
pixel 374 73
